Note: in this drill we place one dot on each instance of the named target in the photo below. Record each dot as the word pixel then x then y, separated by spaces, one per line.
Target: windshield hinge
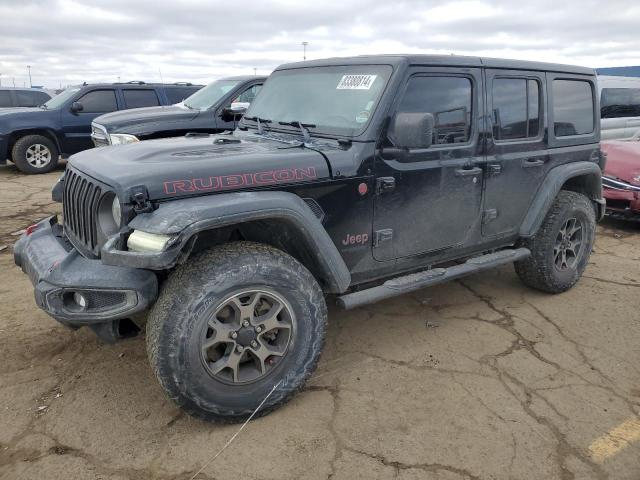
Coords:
pixel 140 198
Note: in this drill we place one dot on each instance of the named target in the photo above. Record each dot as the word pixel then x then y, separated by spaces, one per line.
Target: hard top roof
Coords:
pixel 443 60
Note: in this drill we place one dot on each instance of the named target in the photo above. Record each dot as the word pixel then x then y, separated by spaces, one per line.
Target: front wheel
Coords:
pixel 561 248
pixel 231 324
pixel 35 154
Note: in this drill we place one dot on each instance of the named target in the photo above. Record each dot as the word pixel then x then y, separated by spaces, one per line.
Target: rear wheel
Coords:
pixel 35 154
pixel 230 325
pixel 561 248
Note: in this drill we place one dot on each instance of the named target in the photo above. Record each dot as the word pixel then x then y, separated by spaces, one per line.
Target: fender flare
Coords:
pixel 187 217
pixel 552 184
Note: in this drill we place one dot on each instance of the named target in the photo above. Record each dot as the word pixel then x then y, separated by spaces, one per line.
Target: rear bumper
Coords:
pixel 58 271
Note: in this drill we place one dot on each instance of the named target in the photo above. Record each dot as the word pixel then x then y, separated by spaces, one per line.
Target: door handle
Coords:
pixel 532 162
pixel 465 172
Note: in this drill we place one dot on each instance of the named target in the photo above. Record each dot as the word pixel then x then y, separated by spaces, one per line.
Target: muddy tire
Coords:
pixel 230 324
pixel 561 248
pixel 35 154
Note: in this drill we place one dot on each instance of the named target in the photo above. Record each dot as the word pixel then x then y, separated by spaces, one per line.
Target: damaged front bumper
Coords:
pixel 623 199
pixel 75 290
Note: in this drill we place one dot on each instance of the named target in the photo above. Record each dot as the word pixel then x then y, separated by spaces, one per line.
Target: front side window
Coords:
pixel 5 98
pixel 207 97
pixel 448 99
pixel 248 95
pixel 516 108
pixel 572 108
pixel 98 101
pixel 137 98
pixel 332 100
pixel 620 102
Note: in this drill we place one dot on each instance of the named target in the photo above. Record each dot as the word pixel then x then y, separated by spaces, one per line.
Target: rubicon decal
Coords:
pixel 240 180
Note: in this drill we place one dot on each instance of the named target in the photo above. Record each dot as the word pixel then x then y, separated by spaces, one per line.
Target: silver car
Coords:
pixel 619 107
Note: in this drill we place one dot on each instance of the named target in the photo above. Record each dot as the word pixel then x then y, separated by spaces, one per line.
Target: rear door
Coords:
pixel 429 200
pixel 517 151
pixel 76 126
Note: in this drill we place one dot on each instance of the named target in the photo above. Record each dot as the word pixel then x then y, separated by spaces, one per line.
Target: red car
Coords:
pixel 621 179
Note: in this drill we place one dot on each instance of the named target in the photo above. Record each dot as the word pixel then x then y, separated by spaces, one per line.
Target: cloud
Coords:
pixel 71 41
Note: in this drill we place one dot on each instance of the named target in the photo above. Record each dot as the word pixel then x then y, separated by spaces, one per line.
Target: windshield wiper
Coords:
pixel 303 128
pixel 259 121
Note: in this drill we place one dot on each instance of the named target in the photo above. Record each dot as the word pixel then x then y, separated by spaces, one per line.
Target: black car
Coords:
pixel 34 138
pixel 351 179
pixel 215 108
pixel 22 97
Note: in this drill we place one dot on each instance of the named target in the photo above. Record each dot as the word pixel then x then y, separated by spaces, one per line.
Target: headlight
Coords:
pixel 116 211
pixel 140 241
pixel 122 138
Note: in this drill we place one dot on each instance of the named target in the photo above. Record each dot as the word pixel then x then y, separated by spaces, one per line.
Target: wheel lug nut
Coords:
pixel 240 348
pixel 234 335
pixel 245 323
pixel 258 329
pixel 254 344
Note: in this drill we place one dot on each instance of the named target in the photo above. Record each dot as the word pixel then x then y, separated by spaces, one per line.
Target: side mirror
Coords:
pixel 412 130
pixel 76 107
pixel 235 110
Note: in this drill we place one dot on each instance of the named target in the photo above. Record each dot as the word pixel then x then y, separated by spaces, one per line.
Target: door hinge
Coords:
pixel 385 184
pixel 382 236
pixel 489 215
pixel 140 198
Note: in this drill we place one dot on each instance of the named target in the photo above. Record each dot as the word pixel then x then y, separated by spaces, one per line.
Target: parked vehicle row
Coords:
pixel 358 179
pixel 35 138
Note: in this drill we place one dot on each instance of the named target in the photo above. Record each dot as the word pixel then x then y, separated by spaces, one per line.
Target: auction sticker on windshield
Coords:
pixel 356 82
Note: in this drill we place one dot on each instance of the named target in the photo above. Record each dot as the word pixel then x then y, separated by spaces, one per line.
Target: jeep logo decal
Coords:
pixel 359 239
pixel 224 182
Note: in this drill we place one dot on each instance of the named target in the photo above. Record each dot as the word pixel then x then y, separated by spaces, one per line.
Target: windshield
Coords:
pixel 332 100
pixel 61 98
pixel 208 96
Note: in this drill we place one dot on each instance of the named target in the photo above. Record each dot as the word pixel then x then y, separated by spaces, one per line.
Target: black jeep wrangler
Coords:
pixel 355 178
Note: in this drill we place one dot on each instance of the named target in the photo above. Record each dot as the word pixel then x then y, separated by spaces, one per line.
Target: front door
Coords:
pixel 429 200
pixel 76 126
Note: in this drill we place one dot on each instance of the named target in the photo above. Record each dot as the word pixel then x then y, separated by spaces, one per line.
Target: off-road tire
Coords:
pixel 22 145
pixel 186 299
pixel 539 270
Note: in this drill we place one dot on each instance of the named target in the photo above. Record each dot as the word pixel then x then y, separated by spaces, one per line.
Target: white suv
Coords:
pixel 619 107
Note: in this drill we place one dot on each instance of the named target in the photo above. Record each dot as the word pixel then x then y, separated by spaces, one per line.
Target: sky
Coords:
pixel 72 41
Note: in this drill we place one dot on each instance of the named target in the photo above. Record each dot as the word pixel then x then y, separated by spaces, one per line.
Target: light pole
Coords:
pixel 304 50
pixel 255 71
pixel 0 79
pixel 29 70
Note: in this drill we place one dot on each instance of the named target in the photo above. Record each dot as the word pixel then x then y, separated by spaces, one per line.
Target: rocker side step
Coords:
pixel 416 281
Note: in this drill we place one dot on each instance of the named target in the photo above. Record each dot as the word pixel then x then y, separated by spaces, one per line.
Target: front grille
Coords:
pixel 80 202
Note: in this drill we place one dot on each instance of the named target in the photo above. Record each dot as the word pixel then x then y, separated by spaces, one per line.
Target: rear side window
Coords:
pixel 176 95
pixel 5 99
pixel 572 108
pixel 99 101
pixel 620 102
pixel 30 99
pixel 136 98
pixel 448 99
pixel 516 108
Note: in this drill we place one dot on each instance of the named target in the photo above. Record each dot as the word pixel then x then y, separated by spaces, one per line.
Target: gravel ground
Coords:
pixel 476 379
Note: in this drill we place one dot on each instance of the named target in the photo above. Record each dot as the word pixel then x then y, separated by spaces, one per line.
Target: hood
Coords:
pixel 190 166
pixel 139 118
pixel 623 160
